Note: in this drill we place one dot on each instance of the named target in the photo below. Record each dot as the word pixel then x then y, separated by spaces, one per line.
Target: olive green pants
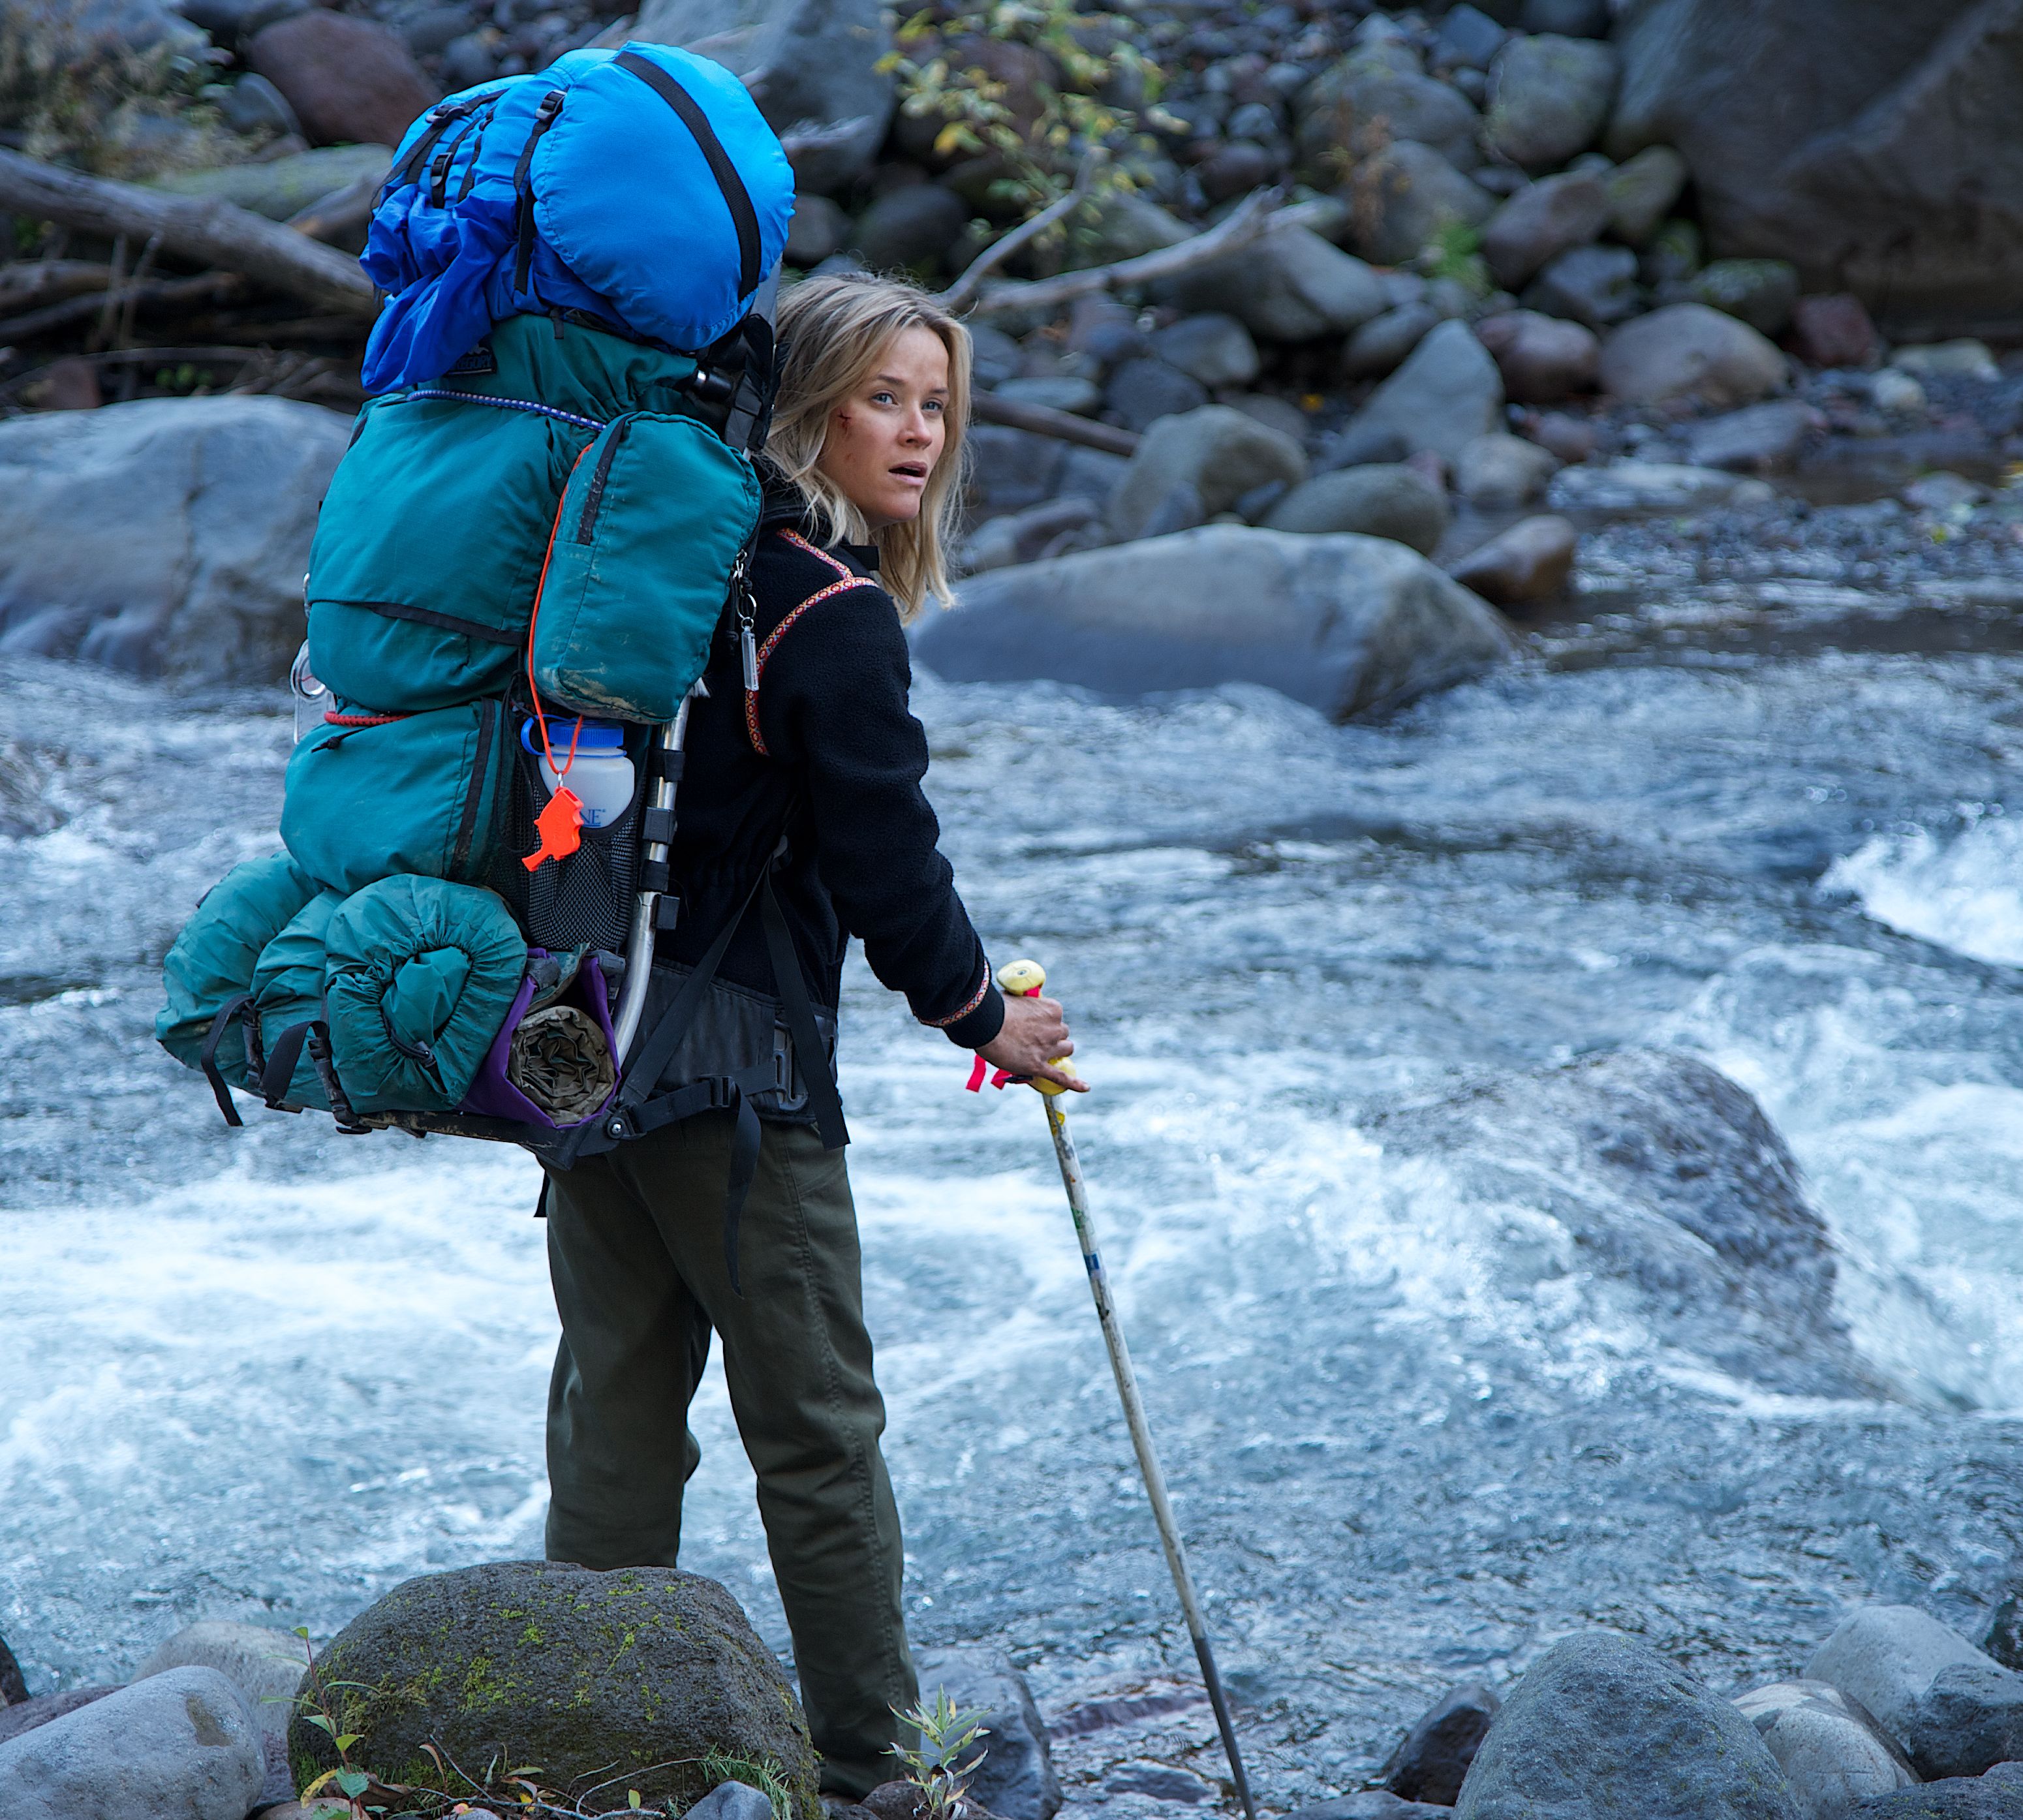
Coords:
pixel 635 1248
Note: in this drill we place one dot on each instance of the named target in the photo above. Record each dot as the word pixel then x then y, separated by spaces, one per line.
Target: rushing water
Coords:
pixel 267 1374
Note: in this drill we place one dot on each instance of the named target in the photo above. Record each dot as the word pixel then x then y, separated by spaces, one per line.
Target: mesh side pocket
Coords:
pixel 585 900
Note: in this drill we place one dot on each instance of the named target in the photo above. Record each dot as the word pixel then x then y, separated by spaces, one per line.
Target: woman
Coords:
pixel 865 461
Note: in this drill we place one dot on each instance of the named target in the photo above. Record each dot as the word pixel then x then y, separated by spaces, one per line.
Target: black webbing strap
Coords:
pixel 280 1068
pixel 824 1101
pixel 744 218
pixel 443 117
pixel 228 1013
pixel 523 186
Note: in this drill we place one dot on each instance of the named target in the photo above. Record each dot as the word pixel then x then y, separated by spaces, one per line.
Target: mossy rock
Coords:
pixel 640 1674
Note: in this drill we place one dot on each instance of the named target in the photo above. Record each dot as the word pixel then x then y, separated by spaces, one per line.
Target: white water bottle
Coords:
pixel 600 774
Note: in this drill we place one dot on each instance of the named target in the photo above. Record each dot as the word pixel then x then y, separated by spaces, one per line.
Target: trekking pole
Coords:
pixel 1023 979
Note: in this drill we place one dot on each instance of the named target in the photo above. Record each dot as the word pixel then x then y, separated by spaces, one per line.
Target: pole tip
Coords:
pixel 1020 979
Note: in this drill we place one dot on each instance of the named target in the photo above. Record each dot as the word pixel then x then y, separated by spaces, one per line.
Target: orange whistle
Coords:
pixel 560 827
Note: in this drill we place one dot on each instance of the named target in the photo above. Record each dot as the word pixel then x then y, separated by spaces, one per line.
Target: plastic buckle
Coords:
pixel 657 825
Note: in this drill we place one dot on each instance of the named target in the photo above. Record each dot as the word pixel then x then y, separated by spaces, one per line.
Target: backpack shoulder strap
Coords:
pixel 847 578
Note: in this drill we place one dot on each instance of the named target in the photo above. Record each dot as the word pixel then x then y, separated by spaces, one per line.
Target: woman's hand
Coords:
pixel 1034 1036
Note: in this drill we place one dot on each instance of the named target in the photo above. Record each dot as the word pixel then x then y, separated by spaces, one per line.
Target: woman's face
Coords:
pixel 884 439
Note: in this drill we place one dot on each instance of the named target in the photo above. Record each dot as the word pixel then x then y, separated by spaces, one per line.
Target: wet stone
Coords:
pixel 1142 391
pixel 1431 1762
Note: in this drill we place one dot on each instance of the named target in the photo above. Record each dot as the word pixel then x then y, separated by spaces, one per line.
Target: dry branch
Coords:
pixel 31 283
pixel 988 407
pixel 196 228
pixel 1255 216
pixel 206 288
pixel 343 211
pixel 957 295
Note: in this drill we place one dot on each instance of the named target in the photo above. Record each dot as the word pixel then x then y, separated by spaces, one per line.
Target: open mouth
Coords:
pixel 911 470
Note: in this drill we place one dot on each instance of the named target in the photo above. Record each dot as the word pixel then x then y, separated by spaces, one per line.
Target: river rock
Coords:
pixel 1996 1796
pixel 812 65
pixel 1762 292
pixel 1142 391
pixel 1375 96
pixel 578 1671
pixel 732 1801
pixel 1594 286
pixel 1686 350
pixel 1016 1780
pixel 1010 470
pixel 1953 1709
pixel 182 1745
pixel 1664 1186
pixel 2004 1640
pixel 1601 1727
pixel 1050 529
pixel 1062 392
pixel 1216 349
pixel 1531 561
pixel 1548 98
pixel 217 502
pixel 1218 452
pixel 909 229
pixel 1381 345
pixel 1893 170
pixel 27 1714
pixel 1372 1804
pixel 1759 438
pixel 1289 286
pixel 1378 500
pixel 349 80
pixel 1469 39
pixel 1834 332
pixel 1966 359
pixel 1642 190
pixel 265 1665
pixel 1403 196
pixel 1654 487
pixel 1571 18
pixel 278 188
pixel 818 229
pixel 1432 1760
pixel 1346 624
pixel 1832 1752
pixel 1447 393
pixel 13 1684
pixel 1541 221
pixel 1542 358
pixel 1499 470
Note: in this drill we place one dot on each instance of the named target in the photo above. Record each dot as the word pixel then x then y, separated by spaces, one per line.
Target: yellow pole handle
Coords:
pixel 1022 979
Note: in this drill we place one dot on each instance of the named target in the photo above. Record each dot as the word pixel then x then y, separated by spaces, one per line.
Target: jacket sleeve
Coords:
pixel 833 701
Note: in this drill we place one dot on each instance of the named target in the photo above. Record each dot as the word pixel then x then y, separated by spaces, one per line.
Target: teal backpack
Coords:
pixel 553 529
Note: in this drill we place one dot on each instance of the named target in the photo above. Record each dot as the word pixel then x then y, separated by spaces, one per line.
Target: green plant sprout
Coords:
pixel 934 1765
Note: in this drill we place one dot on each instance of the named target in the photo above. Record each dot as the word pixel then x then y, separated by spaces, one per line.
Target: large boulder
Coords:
pixel 264 1665
pixel 348 80
pixel 1594 286
pixel 1955 1710
pixel 1347 624
pixel 1642 190
pixel 1832 1753
pixel 1190 466
pixel 1548 98
pixel 182 1745
pixel 1289 286
pixel 1602 1728
pixel 1378 499
pixel 1015 1780
pixel 1660 1184
pixel 26 1715
pixel 1215 350
pixel 1447 393
pixel 816 68
pixel 1686 350
pixel 217 501
pixel 641 1672
pixel 1893 170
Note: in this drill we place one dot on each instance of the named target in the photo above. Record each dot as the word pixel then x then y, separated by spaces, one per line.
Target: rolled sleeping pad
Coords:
pixel 212 961
pixel 419 976
pixel 287 990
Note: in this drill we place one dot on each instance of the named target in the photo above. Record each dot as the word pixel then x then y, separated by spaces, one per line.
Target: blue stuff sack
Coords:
pixel 641 187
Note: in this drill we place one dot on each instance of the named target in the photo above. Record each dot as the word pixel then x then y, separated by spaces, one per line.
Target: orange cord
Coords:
pixel 533 618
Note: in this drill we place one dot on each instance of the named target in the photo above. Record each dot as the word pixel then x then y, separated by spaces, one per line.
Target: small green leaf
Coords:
pixel 353 1782
pixel 348 1739
pixel 634 1793
pixel 320 1722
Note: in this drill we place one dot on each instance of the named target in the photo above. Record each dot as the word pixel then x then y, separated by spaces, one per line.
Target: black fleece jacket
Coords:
pixel 828 751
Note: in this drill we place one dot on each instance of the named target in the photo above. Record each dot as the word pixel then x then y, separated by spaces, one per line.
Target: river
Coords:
pixel 267 1374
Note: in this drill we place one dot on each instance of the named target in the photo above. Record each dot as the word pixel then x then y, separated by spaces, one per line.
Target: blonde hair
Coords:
pixel 834 331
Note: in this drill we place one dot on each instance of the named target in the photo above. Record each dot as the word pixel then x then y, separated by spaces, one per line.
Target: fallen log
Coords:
pixel 199 228
pixel 32 282
pixel 1258 214
pixel 206 288
pixel 1042 420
